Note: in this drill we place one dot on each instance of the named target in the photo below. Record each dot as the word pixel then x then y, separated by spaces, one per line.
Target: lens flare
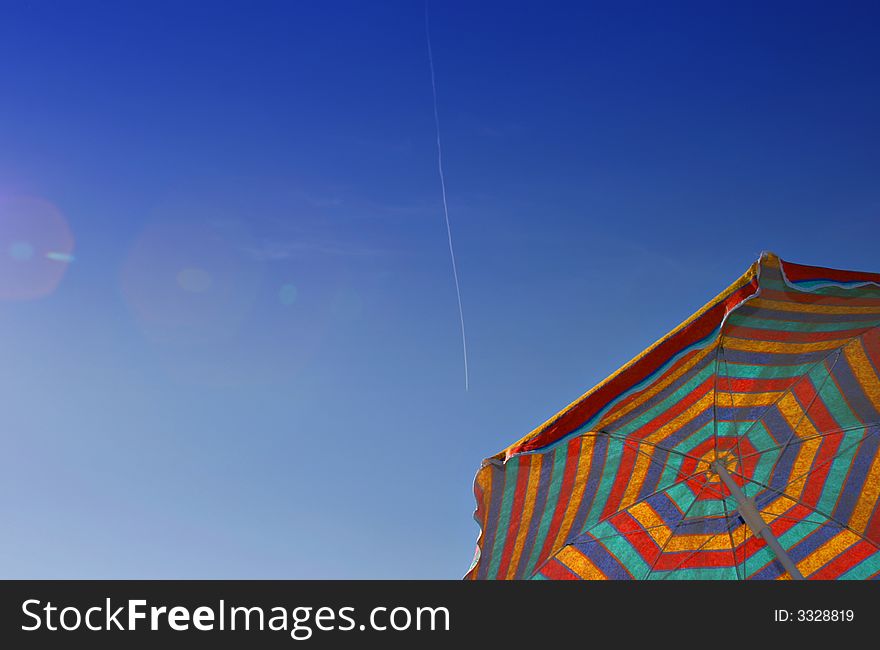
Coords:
pixel 60 257
pixel 194 280
pixel 31 230
pixel 189 281
pixel 287 294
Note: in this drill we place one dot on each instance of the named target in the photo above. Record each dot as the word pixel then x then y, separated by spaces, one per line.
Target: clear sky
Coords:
pixel 229 329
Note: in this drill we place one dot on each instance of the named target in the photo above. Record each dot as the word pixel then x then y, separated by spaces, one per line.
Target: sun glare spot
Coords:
pixel 194 280
pixel 189 281
pixel 287 294
pixel 29 227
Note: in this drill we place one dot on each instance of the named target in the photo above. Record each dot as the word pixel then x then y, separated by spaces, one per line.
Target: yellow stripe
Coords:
pixel 835 546
pixel 528 509
pixel 864 371
pixel 713 542
pixel 637 478
pixel 657 387
pixel 484 480
pixel 777 507
pixel 802 464
pixel 580 564
pixel 868 500
pixel 643 462
pixel 778 347
pixel 745 399
pixel 681 419
pixel 649 519
pixel 793 413
pixel 811 308
pixel 580 483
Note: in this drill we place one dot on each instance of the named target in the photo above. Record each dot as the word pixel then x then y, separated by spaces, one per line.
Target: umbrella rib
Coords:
pixel 813 508
pixel 790 389
pixel 800 440
pixel 732 410
pixel 823 360
pixel 698 549
pixel 740 436
pixel 843 344
pixel 775 516
pixel 672 531
pixel 642 530
pixel 648 496
pixel 807 410
pixel 635 446
pixel 715 395
pixel 831 459
pixel 626 440
pixel 636 502
pixel 627 418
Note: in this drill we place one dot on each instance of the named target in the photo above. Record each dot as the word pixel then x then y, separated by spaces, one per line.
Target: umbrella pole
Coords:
pixel 755 521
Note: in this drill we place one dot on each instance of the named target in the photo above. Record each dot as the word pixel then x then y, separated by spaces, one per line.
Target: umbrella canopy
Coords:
pixel 742 445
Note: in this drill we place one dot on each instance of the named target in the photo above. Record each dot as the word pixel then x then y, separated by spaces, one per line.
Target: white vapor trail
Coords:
pixel 445 205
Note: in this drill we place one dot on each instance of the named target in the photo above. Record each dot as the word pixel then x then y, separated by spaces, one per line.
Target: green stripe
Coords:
pixel 743 320
pixel 621 548
pixel 764 467
pixel 840 467
pixel 698 437
pixel 834 401
pixel 760 437
pixel 610 467
pixel 559 456
pixel 864 569
pixel 697 573
pixel 668 402
pixel 671 472
pixel 511 470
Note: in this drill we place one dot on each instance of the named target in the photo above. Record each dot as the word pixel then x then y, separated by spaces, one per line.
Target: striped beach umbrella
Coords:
pixel 742 445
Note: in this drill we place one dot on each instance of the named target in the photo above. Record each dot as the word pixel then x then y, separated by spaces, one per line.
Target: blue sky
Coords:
pixel 244 359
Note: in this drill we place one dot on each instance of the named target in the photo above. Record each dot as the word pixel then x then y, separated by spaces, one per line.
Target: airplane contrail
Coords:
pixel 445 204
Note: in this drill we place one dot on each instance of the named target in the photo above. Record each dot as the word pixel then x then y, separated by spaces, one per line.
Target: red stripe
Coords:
pixel 819 299
pixel 633 532
pixel 872 531
pixel 844 562
pixel 758 385
pixel 621 480
pixel 781 526
pixel 571 463
pixel 815 480
pixel 620 405
pixel 802 273
pixel 700 559
pixel 822 419
pixel 783 336
pixel 751 546
pixel 698 393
